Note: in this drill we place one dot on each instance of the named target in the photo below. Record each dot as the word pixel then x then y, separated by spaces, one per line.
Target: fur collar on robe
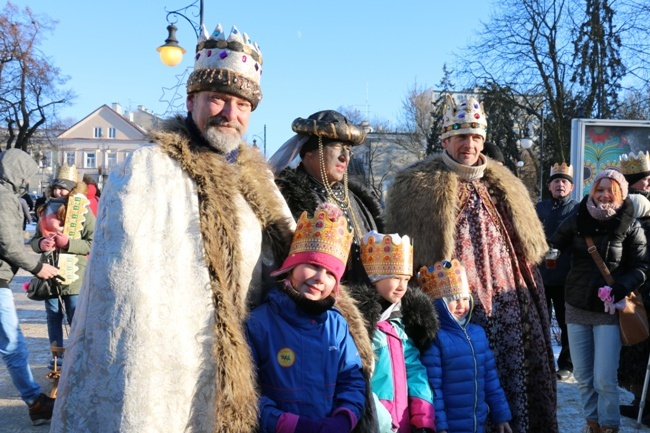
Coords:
pixel 296 189
pixel 422 202
pixel 216 180
pixel 418 313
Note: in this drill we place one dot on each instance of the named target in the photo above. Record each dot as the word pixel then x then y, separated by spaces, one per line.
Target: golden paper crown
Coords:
pixel 386 254
pixel 326 232
pixel 466 118
pixel 563 168
pixel 67 172
pixel 444 279
pixel 633 164
pixel 232 65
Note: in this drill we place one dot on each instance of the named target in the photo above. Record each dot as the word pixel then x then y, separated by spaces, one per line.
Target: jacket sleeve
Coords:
pixel 350 391
pixel 635 260
pixel 495 397
pixel 432 361
pixel 419 391
pixel 12 244
pixel 564 234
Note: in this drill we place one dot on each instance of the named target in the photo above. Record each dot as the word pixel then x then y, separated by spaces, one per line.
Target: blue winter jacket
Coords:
pixel 308 365
pixel 463 375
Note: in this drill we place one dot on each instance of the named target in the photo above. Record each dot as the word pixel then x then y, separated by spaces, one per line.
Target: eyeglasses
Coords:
pixel 344 150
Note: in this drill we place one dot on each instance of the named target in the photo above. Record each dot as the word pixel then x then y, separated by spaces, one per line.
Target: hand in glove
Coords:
pixel 62 241
pixel 339 423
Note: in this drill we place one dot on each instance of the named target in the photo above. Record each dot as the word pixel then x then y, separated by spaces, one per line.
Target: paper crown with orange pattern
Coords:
pixel 387 254
pixel 561 170
pixel 635 167
pixel 444 279
pixel 232 65
pixel 322 240
pixel 466 118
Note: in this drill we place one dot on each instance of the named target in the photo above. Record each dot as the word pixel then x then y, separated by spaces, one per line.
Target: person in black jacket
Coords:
pixel 552 212
pixel 607 216
pixel 324 142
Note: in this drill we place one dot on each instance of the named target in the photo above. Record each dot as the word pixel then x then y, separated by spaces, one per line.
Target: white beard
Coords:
pixel 222 141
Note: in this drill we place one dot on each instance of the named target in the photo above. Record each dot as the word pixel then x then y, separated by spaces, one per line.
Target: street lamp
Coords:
pixel 171 53
pixel 527 143
pixel 263 140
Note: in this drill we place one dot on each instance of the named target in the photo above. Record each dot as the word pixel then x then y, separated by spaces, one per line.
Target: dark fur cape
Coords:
pixel 418 313
pixel 295 186
pixel 216 181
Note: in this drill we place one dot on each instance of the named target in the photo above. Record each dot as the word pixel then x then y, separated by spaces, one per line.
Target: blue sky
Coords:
pixel 317 55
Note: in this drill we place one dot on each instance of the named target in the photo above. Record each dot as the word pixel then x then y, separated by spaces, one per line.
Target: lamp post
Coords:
pixel 171 53
pixel 263 140
pixel 527 143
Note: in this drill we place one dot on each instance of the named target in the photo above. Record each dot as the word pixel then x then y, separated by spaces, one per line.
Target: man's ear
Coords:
pixel 189 102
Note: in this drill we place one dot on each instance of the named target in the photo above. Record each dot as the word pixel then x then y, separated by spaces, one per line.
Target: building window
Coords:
pixel 97 133
pixel 111 159
pixel 111 132
pixel 91 161
pixel 70 157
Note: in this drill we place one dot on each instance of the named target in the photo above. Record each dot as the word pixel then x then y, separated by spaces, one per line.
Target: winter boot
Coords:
pixel 591 427
pixel 605 429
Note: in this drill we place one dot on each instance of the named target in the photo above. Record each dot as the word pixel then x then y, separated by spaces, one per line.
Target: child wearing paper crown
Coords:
pixel 401 321
pixel 460 363
pixel 71 243
pixel 309 369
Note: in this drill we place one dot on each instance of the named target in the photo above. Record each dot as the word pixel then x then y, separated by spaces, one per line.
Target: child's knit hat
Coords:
pixel 446 279
pixel 386 255
pixel 323 240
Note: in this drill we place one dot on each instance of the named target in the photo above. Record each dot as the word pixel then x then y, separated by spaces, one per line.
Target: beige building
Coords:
pixel 95 144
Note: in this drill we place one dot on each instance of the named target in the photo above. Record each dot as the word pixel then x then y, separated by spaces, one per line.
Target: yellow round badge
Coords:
pixel 286 357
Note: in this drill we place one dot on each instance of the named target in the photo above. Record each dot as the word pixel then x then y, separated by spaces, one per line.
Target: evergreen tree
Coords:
pixel 434 143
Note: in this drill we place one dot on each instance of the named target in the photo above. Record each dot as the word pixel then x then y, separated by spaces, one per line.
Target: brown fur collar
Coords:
pixel 216 181
pixel 422 202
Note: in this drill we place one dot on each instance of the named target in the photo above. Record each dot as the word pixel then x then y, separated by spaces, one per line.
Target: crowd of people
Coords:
pixel 255 296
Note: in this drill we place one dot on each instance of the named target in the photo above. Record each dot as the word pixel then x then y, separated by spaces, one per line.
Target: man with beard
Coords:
pixel 462 205
pixel 552 212
pixel 186 230
pixel 324 142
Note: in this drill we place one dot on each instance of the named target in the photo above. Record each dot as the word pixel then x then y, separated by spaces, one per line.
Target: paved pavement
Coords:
pixel 14 416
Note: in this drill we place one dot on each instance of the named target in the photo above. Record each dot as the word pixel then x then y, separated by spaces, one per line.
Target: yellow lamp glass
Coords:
pixel 171 55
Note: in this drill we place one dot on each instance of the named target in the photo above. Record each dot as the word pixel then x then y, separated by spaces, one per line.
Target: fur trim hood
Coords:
pixel 418 313
pixel 422 202
pixel 216 180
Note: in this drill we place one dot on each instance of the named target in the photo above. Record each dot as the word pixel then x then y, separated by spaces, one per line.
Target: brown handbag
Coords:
pixel 633 319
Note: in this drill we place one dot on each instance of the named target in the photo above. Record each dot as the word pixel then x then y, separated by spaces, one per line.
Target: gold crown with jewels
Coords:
pixel 633 164
pixel 386 254
pixel 446 278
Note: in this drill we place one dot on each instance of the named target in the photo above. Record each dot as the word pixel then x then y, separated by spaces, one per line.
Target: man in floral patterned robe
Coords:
pixel 463 205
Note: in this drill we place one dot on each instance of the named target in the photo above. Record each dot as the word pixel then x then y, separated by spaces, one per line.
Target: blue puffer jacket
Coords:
pixel 308 365
pixel 463 375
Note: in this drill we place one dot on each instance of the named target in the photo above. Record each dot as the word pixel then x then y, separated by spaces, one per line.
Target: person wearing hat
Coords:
pixel 460 204
pixel 324 142
pixel 65 231
pixel 308 366
pixel 606 215
pixel 401 322
pixel 460 364
pixel 552 212
pixel 16 168
pixel 188 230
pixel 631 372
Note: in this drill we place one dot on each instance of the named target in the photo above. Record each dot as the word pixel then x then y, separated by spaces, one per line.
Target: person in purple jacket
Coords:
pixel 460 363
pixel 308 367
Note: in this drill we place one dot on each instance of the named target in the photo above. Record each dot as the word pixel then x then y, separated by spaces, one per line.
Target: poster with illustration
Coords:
pixel 597 144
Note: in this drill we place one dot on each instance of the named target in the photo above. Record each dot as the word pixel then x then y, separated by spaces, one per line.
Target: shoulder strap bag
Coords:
pixel 633 319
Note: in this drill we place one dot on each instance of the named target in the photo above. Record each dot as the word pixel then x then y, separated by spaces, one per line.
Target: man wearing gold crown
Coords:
pixel 631 371
pixel 463 205
pixel 186 230
pixel 324 142
pixel 552 212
